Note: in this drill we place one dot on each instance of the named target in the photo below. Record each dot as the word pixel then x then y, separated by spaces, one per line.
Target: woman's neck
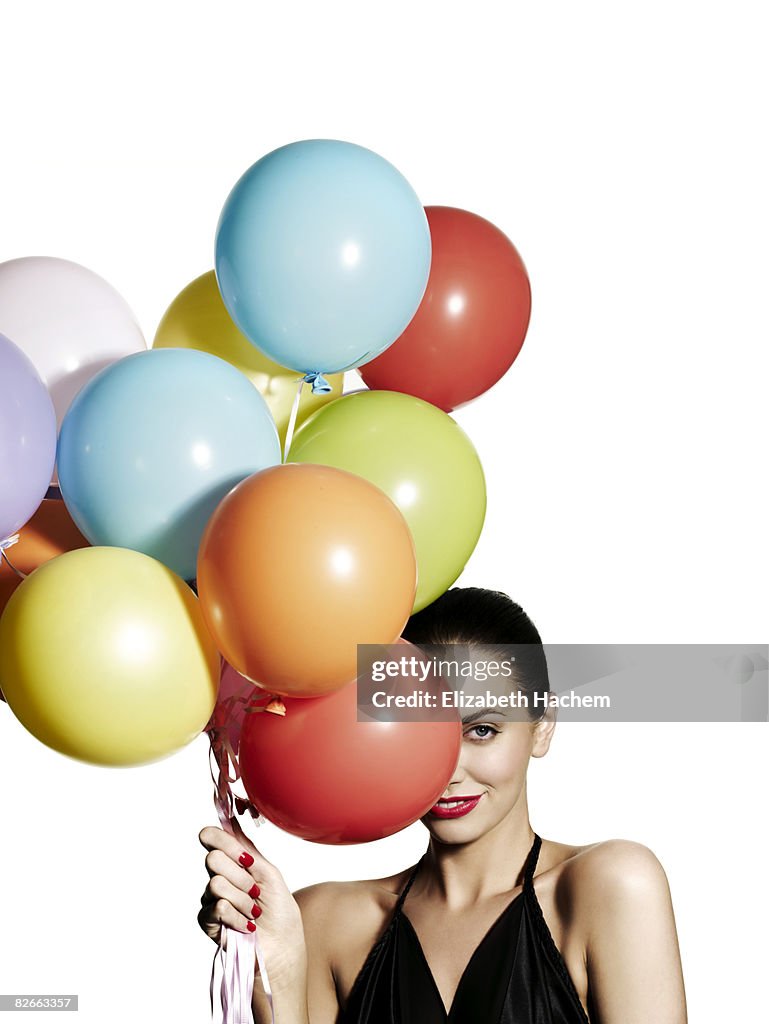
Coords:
pixel 462 874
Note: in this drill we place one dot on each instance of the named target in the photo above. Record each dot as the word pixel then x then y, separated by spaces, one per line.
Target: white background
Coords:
pixel 621 147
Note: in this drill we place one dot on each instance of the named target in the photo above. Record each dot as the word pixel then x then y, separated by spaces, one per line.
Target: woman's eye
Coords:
pixel 482 732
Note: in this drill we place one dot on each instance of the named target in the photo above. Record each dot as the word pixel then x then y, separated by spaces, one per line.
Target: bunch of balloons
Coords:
pixel 217 527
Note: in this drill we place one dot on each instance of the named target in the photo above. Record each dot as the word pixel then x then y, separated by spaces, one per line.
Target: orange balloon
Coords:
pixel 298 564
pixel 50 532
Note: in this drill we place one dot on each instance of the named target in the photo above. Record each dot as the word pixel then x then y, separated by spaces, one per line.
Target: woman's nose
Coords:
pixel 460 773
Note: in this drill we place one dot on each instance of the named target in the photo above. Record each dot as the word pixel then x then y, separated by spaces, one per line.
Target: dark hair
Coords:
pixel 490 619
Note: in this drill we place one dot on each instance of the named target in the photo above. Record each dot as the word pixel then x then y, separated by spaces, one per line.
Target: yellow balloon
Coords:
pixel 105 657
pixel 197 318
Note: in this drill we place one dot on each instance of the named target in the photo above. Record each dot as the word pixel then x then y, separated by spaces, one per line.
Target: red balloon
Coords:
pixel 320 774
pixel 472 319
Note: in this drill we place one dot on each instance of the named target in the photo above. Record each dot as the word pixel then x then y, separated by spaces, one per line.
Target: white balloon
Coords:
pixel 68 320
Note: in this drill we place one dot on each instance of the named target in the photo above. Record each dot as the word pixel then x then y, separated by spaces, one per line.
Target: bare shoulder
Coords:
pixel 621 866
pixel 595 895
pixel 610 867
pixel 355 910
pixel 326 895
pixel 619 933
pixel 604 882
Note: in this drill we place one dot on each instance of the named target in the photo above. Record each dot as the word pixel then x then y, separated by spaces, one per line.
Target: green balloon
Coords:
pixel 421 459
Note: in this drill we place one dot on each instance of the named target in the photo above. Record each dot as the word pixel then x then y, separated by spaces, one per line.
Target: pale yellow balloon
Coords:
pixel 105 657
pixel 198 319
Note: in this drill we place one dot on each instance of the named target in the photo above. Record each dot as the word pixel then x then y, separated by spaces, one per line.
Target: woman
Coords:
pixel 492 924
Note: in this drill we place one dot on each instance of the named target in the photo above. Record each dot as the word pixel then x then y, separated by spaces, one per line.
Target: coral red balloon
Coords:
pixel 472 321
pixel 320 774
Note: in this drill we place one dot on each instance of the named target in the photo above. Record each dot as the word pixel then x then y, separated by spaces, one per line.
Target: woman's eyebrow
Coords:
pixel 483 713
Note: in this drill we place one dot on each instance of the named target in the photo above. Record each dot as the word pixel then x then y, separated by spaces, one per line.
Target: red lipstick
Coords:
pixel 454 807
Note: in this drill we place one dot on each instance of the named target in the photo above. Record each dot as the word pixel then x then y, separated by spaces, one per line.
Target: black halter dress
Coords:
pixel 515 976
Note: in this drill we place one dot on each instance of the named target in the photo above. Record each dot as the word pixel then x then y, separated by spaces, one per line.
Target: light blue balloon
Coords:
pixel 322 255
pixel 151 445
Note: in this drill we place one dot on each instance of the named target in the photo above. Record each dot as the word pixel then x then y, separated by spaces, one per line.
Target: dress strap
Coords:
pixel 407 886
pixel 531 863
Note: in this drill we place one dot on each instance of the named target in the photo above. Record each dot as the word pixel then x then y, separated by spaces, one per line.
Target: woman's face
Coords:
pixel 492 764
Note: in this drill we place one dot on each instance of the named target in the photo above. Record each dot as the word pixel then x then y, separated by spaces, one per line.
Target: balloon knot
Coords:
pixel 320 386
pixel 242 805
pixel 276 706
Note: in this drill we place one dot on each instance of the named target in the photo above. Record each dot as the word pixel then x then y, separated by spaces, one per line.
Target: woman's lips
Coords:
pixel 454 807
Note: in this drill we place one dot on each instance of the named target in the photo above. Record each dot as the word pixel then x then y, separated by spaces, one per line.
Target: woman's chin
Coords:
pixel 454 830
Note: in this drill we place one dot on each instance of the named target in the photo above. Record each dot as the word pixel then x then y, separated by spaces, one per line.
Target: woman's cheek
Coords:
pixel 505 762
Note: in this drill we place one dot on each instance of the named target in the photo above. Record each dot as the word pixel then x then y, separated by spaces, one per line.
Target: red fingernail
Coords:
pixel 253 892
pixel 251 926
pixel 246 859
pixel 255 911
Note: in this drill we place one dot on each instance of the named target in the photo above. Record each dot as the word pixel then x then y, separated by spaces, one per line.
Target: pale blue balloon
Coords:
pixel 322 255
pixel 151 445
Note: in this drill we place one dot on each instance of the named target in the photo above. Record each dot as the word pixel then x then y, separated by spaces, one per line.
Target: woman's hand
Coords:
pixel 245 889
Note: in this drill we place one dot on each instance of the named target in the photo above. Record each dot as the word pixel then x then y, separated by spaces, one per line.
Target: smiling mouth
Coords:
pixel 454 806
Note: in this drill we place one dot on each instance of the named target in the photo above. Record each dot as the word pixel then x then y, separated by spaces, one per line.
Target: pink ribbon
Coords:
pixel 232 978
pixel 232 973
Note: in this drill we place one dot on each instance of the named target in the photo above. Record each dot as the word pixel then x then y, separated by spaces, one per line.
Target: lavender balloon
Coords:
pixel 27 439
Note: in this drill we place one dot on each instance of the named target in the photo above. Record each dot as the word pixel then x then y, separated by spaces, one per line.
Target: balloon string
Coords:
pixel 232 973
pixel 320 386
pixel 4 545
pixel 292 419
